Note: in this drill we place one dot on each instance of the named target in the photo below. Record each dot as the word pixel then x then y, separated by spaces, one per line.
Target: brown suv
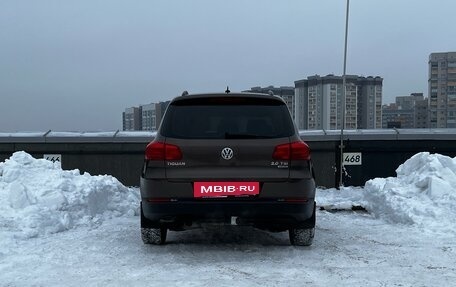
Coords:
pixel 227 159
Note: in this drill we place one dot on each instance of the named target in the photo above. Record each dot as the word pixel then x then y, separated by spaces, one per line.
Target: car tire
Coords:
pixel 302 236
pixel 156 236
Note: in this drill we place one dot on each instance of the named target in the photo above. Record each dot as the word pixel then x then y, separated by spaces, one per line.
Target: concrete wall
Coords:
pixel 122 155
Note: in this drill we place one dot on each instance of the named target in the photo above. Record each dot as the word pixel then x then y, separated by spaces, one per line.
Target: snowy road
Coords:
pixel 63 228
pixel 350 249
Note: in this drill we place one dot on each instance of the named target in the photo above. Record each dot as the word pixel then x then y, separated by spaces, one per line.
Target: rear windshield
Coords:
pixel 227 118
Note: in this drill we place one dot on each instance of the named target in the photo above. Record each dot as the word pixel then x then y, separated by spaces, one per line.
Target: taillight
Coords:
pixel 282 152
pixel 295 151
pixel 300 150
pixel 163 151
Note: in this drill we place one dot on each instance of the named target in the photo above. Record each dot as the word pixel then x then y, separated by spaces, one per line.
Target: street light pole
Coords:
pixel 343 100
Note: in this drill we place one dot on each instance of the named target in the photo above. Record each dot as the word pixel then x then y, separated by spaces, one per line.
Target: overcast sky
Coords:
pixel 76 65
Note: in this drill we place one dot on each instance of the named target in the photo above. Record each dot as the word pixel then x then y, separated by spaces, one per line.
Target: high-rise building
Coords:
pixel 442 90
pixel 370 102
pixel 145 117
pixel 301 100
pixel 148 117
pixel 286 93
pixel 131 119
pixel 407 112
pixel 391 118
pixel 318 102
pixel 421 112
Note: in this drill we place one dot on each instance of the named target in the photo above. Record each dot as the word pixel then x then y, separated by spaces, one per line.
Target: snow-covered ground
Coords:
pixel 61 228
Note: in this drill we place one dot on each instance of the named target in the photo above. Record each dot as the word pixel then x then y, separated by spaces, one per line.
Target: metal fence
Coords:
pixel 367 153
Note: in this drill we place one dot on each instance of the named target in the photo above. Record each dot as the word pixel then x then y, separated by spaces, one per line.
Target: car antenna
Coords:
pixel 227 90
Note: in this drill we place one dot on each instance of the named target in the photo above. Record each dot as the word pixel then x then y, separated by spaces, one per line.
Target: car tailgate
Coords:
pixel 251 160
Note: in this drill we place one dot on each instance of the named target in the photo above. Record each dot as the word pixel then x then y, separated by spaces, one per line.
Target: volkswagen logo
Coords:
pixel 227 153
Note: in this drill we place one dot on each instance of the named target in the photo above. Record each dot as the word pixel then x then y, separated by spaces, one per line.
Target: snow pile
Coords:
pixel 38 197
pixel 345 198
pixel 423 193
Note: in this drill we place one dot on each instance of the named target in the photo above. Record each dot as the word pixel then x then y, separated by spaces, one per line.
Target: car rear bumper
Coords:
pixel 267 214
pixel 279 205
pixel 162 188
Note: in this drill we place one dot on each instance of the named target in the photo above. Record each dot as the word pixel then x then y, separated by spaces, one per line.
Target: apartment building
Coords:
pixel 422 113
pixel 145 117
pixel 442 90
pixel 318 102
pixel 407 112
pixel 131 119
pixel 149 119
pixel 286 93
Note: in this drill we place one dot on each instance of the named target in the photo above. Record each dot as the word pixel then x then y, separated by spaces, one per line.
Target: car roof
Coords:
pixel 230 95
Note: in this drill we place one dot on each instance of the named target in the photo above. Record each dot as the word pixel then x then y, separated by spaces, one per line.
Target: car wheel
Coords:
pixel 155 236
pixel 302 236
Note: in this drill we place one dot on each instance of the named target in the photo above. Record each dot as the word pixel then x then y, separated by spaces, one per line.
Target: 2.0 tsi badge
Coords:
pixel 227 153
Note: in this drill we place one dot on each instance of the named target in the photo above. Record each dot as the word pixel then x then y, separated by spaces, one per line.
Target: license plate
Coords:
pixel 224 189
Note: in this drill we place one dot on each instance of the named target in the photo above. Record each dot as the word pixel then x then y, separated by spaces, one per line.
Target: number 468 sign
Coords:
pixel 352 158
